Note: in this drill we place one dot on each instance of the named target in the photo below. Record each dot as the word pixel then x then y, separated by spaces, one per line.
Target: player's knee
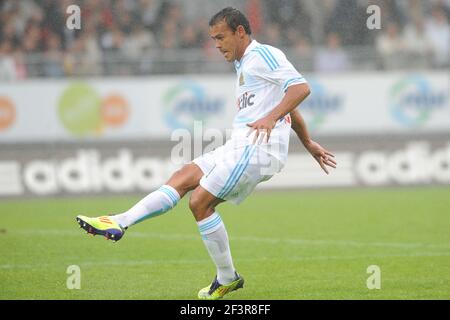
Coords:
pixel 184 180
pixel 200 207
pixel 177 175
pixel 195 203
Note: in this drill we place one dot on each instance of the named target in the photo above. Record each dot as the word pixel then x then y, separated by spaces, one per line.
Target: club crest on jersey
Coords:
pixel 245 100
pixel 241 79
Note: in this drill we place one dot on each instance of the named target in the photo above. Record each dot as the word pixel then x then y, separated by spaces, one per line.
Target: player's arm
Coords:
pixel 295 94
pixel 322 156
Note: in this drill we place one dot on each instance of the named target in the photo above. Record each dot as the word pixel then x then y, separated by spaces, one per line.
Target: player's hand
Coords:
pixel 263 128
pixel 322 156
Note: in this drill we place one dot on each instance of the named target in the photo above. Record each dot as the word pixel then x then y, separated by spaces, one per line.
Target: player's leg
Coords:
pixel 164 198
pixel 154 204
pixel 233 179
pixel 212 229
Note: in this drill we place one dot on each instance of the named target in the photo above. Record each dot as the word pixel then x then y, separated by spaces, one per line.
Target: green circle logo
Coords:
pixel 80 109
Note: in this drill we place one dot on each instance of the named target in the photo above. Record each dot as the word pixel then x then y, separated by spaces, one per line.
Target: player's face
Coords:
pixel 225 39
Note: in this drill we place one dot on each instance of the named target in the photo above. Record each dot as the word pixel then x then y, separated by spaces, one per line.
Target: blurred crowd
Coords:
pixel 131 37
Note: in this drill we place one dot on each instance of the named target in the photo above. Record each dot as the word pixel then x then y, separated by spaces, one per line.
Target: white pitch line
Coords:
pixel 206 261
pixel 345 243
pixel 302 242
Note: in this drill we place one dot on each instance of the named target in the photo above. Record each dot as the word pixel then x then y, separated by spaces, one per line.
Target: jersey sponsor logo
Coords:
pixel 245 100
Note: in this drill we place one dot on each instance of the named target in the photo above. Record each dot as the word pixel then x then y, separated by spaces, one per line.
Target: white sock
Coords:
pixel 155 204
pixel 215 238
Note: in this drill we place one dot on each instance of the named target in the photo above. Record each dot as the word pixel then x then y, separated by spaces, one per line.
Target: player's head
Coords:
pixel 231 32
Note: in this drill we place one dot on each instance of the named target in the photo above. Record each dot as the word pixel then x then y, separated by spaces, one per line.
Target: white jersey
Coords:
pixel 263 76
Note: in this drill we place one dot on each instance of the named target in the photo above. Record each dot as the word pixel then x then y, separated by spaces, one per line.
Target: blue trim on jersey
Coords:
pixel 241 172
pixel 272 67
pixel 230 178
pixel 247 120
pixel 268 57
pixel 271 57
pixel 234 172
pixel 263 52
pixel 211 224
pixel 290 81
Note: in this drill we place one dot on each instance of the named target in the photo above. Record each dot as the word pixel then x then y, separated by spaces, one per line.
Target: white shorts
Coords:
pixel 232 172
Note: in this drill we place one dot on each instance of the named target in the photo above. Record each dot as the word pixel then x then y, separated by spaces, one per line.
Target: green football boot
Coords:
pixel 104 226
pixel 217 291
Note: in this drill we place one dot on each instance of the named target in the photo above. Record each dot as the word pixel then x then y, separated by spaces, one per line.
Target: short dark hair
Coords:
pixel 233 17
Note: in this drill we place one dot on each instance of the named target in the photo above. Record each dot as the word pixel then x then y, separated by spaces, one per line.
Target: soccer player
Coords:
pixel 268 90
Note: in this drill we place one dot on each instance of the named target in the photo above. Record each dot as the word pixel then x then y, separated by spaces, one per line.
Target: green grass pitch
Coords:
pixel 313 244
